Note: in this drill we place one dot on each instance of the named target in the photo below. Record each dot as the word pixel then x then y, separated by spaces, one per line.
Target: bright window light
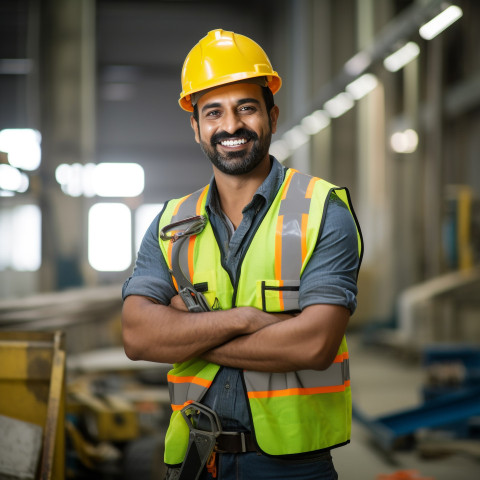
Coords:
pixel 109 237
pixel 118 179
pixel 315 122
pixel 21 239
pixel 12 179
pixel 280 150
pixel 22 146
pixel 339 104
pixel 440 22
pixel 401 57
pixel 404 142
pixel 362 86
pixel 144 216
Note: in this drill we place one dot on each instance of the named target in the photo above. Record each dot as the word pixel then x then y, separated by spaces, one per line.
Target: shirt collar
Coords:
pixel 266 191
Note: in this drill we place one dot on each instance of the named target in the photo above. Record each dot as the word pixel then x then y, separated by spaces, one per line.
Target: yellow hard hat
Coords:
pixel 223 57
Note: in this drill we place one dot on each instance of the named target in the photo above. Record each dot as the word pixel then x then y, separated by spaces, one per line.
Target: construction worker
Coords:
pixel 246 286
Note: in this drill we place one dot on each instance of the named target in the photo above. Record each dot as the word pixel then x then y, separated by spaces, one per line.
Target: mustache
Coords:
pixel 241 132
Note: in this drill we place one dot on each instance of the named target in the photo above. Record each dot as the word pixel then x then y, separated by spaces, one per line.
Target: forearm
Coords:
pixel 166 334
pixel 309 341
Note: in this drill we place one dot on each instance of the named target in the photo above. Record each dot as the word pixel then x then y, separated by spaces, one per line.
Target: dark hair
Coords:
pixel 267 97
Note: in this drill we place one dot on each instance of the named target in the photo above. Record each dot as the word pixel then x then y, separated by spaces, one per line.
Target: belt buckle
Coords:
pixel 242 440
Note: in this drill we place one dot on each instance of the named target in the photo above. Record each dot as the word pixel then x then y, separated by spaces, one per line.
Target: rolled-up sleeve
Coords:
pixel 331 274
pixel 150 277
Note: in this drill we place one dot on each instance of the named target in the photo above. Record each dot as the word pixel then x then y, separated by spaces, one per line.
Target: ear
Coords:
pixel 194 125
pixel 274 112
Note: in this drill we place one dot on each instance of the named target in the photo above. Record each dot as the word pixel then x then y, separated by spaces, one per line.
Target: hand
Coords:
pixel 178 303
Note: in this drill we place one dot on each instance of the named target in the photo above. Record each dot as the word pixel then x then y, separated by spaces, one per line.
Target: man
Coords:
pixel 275 254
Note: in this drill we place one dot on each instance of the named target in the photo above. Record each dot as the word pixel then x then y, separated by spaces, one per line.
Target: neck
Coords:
pixel 236 191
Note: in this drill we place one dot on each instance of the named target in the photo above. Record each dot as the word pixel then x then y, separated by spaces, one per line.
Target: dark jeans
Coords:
pixel 252 466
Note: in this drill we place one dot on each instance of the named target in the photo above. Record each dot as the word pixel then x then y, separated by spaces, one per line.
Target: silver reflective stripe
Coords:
pixel 180 392
pixel 292 207
pixel 336 374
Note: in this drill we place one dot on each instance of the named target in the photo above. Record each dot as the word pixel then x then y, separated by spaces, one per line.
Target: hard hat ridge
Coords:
pixel 223 57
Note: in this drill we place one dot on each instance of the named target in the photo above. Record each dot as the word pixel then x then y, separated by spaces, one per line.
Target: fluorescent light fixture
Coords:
pixel 105 179
pixel 22 146
pixel 295 137
pixel 104 254
pixel 16 66
pixel 401 57
pixel 362 85
pixel 280 150
pixel 12 179
pixel 339 104
pixel 315 122
pixel 404 142
pixel 118 179
pixel 358 63
pixel 442 21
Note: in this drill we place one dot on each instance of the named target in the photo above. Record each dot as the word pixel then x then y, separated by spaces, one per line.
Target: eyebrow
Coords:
pixel 240 102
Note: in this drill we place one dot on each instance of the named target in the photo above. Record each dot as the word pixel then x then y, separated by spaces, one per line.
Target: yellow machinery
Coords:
pixel 32 390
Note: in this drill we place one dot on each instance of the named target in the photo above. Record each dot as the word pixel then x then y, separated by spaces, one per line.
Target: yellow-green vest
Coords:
pixel 294 412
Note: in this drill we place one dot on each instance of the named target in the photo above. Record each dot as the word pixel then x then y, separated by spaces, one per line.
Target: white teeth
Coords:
pixel 233 143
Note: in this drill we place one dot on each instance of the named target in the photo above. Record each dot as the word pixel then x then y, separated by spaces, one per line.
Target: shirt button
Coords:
pixel 227 386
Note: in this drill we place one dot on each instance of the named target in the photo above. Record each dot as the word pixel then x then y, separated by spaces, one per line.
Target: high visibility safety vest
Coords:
pixel 294 412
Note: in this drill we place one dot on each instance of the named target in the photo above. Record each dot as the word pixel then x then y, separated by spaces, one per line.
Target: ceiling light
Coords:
pixel 315 122
pixel 401 57
pixel 440 22
pixel 362 85
pixel 295 137
pixel 339 104
pixel 280 150
pixel 404 142
pixel 358 63
pixel 22 146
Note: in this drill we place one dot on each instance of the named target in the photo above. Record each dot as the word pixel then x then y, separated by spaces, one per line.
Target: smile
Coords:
pixel 233 143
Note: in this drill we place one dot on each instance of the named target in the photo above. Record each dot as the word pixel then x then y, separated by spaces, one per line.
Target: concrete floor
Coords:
pixel 384 382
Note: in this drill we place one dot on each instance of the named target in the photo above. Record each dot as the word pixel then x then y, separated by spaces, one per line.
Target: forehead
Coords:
pixel 231 94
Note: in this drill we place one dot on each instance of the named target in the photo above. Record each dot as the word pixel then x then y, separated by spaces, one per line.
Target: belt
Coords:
pixel 236 442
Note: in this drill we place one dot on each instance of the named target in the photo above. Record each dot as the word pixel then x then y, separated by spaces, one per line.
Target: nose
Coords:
pixel 232 121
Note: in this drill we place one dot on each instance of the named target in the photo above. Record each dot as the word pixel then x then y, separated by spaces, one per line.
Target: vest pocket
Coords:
pixel 278 295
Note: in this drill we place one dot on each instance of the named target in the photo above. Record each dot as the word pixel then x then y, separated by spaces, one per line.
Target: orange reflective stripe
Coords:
pixel 299 391
pixel 169 255
pixel 287 183
pixel 179 407
pixel 195 380
pixel 340 358
pixel 198 208
pixel 304 236
pixel 310 187
pixel 175 211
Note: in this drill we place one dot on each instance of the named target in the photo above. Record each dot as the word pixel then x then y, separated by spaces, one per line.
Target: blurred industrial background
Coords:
pixel 381 96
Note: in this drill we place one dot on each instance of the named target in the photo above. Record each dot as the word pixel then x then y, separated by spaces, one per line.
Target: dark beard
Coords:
pixel 240 162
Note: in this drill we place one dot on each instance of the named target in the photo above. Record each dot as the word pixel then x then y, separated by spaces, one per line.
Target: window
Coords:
pixel 21 238
pixel 109 237
pixel 144 216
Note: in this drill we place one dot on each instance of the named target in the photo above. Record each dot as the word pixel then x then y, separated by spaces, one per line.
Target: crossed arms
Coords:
pixel 242 337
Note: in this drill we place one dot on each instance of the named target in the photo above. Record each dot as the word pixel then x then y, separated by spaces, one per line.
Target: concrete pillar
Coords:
pixel 67 60
pixel 301 73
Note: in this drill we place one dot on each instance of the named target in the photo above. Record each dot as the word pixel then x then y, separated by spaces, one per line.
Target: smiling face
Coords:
pixel 234 128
